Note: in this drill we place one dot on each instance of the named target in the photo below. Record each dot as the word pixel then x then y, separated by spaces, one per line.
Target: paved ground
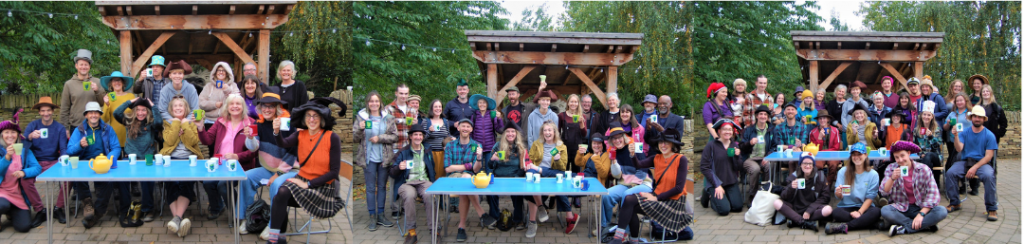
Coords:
pixel 966 226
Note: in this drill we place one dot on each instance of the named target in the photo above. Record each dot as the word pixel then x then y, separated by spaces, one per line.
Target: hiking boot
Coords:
pixel 531 230
pixel 791 224
pixel 185 227
pixel 897 230
pixel 810 225
pixel 973 192
pixel 542 215
pixel 87 206
pixel 882 226
pixel 410 237
pixel 963 188
pixel 992 216
pixel 58 214
pixel 148 216
pixel 381 220
pixel 570 222
pixel 952 208
pixel 373 223
pixel 705 199
pixel 836 228
pixel 487 221
pixel 39 219
pixel 461 237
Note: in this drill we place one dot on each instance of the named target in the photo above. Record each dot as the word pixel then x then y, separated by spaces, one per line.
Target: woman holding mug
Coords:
pixel 141 139
pixel 181 140
pixel 805 199
pixel 14 166
pixel 855 210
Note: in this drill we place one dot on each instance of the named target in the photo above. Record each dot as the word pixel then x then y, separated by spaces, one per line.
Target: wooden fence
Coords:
pixel 25 100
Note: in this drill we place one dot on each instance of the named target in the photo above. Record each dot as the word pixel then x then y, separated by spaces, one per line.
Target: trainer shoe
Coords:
pixel 836 228
pixel 570 222
pixel 897 230
pixel 461 237
pixel 542 215
pixel 185 228
pixel 531 229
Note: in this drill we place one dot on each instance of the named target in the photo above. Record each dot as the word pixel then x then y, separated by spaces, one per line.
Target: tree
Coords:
pixel 422 44
pixel 36 50
pixel 536 20
pixel 836 23
pixel 981 38
pixel 321 45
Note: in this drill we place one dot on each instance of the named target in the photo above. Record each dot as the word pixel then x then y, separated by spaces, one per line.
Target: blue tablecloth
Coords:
pixel 831 156
pixel 178 171
pixel 515 186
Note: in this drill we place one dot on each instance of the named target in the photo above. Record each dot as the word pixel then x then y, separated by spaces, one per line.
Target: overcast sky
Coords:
pixel 845 9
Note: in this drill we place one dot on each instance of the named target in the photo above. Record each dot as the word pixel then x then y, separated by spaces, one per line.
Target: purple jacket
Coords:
pixel 485 128
pixel 712 114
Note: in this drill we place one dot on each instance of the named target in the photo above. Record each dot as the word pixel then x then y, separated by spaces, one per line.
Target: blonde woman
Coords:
pixel 227 138
pixel 550 158
pixel 293 91
pixel 181 139
pixel 572 127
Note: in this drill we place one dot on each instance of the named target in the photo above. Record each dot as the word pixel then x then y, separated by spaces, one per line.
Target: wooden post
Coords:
pixel 813 75
pixel 126 52
pixel 919 70
pixel 492 81
pixel 264 52
pixel 613 79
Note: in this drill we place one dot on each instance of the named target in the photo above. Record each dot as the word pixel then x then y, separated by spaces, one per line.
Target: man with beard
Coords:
pixel 977 147
pixel 458 108
pixel 514 111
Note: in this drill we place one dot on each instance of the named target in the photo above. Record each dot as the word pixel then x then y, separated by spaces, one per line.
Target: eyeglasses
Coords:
pixel 806 163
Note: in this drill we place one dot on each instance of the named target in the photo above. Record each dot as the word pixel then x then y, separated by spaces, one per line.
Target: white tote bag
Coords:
pixel 762 208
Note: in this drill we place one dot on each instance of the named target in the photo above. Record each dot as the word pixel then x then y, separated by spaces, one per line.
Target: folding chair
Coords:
pixel 687 191
pixel 307 229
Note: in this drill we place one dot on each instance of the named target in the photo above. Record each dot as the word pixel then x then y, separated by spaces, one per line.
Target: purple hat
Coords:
pixel 13 123
pixel 904 146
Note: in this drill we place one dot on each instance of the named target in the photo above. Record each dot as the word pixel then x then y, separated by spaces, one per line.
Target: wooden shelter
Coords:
pixel 200 32
pixel 574 62
pixel 864 56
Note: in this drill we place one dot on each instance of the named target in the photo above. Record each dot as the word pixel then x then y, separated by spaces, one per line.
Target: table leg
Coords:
pixel 235 198
pixel 597 218
pixel 49 214
pixel 67 206
pixel 433 219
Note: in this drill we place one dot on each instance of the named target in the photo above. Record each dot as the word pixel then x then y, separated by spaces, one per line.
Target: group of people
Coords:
pixel 163 114
pixel 469 134
pixel 746 127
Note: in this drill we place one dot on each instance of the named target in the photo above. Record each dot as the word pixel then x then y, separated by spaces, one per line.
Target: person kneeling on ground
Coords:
pixel 854 210
pixel 914 198
pixel 807 193
pixel 722 185
pixel 13 167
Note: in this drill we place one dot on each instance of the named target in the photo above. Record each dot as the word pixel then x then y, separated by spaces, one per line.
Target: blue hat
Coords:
pixel 128 81
pixel 650 98
pixel 476 97
pixel 859 147
pixel 805 155
pixel 157 60
pixel 799 89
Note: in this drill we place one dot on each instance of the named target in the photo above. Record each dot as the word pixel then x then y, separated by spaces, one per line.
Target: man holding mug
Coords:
pixel 49 139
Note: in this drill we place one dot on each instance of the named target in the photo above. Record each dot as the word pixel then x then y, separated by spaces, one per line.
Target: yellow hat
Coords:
pixel 806 94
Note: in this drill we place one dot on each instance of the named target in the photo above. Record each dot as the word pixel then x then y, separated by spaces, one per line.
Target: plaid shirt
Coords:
pixel 457 154
pixel 787 135
pixel 925 190
pixel 750 106
pixel 400 124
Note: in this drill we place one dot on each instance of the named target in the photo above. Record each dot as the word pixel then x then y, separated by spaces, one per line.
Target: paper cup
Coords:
pixel 167 161
pixel 74 162
pixel 801 183
pixel 159 158
pixel 192 160
pixel 17 148
pixel 286 124
pixel 131 159
pixel 44 133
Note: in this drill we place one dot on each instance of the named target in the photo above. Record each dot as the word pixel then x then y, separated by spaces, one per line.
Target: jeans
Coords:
pixel 895 217
pixel 376 187
pixel 21 219
pixel 731 202
pixel 563 201
pixel 147 195
pixel 249 187
pixel 985 174
pixel 215 191
pixel 615 195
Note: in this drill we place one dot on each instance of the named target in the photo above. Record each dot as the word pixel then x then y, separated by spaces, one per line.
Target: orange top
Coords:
pixel 893 134
pixel 659 168
pixel 319 163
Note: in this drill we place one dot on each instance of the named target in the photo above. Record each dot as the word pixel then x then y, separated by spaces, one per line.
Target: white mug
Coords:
pixel 559 178
pixel 131 159
pixel 44 133
pixel 286 124
pixel 232 164
pixel 192 160
pixel 536 178
pixel 64 160
pixel 167 161
pixel 159 158
pixel 529 176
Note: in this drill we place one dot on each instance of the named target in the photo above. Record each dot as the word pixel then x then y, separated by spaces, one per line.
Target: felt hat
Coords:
pixel 721 122
pixel 898 112
pixel 86 55
pixel 799 90
pixel 615 129
pixel 904 146
pixel 510 124
pixel 806 94
pixel 421 128
pixel 475 98
pixel 127 81
pixel 824 113
pixel 321 106
pixel 979 111
pixel 670 135
pixel 763 108
pixel 45 101
pixel 93 106
pixel 141 102
pixel 180 64
pixel 714 87
pixel 858 84
pixel 859 147
pixel 650 98
pixel 984 80
pixel 547 94
pixel 269 97
pixel 13 123
pixel 462 82
pixel 157 60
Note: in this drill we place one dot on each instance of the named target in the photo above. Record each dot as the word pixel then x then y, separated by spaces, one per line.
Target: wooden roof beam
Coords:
pixel 141 61
pixel 103 11
pixel 865 55
pixel 228 42
pixel 120 10
pixel 548 58
pixel 260 10
pixel 129 9
pixel 156 9
pixel 195 22
pixel 895 74
pixel 231 11
pixel 554 47
pixel 288 9
pixel 867 46
pixel 515 80
pixel 270 10
pixel 591 85
pixel 195 9
pixel 835 73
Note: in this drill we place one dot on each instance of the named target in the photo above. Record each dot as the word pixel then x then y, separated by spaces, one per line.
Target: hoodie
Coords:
pixel 212 95
pixel 536 120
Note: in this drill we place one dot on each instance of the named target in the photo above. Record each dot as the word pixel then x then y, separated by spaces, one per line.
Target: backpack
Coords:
pixel 257 216
pixel 505 222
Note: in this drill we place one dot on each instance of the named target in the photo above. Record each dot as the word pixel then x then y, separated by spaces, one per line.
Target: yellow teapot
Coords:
pixel 481 180
pixel 811 148
pixel 101 164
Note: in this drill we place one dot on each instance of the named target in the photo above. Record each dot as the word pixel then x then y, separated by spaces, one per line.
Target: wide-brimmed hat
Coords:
pixel 721 122
pixel 763 108
pixel 84 54
pixel 857 106
pixel 979 111
pixel 898 112
pixel 157 60
pixel 320 105
pixel 45 101
pixel 421 127
pixel 475 98
pixel 650 98
pixel 615 129
pixel 269 97
pixel 128 81
pixel 93 106
pixel 799 89
pixel 984 80
pixel 858 84
pixel 714 87
pixel 824 113
pixel 180 64
pixel 547 94
pixel 904 146
pixel 670 135
pixel 13 123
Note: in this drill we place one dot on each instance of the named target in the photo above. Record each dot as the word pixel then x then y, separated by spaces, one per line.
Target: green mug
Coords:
pixel 149 159
pixel 369 125
pixel 731 151
pixel 87 86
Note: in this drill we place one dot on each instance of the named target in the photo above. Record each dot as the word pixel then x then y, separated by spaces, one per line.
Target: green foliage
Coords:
pixel 722 57
pixel 664 57
pixel 836 23
pixel 981 38
pixel 36 50
pixel 382 64
pixel 534 20
pixel 321 47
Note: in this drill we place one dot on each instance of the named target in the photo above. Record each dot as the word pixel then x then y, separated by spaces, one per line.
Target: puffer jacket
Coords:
pixel 211 95
pixel 388 138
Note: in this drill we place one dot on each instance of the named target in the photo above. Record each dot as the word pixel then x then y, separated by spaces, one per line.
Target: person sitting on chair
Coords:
pixel 977 145
pixel 418 178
